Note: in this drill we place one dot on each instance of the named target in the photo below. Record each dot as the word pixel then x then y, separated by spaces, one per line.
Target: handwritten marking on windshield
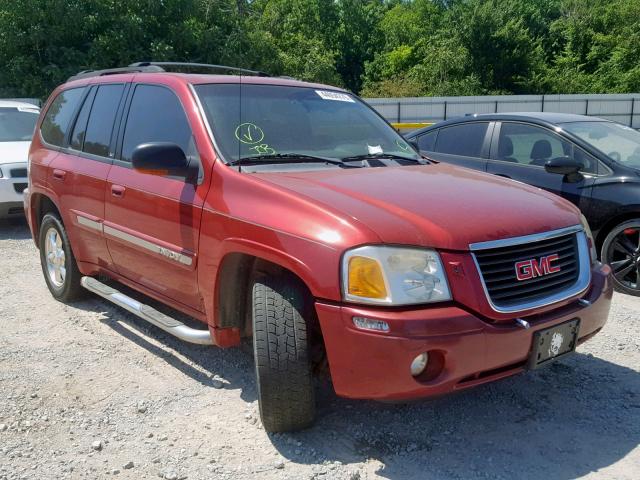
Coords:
pixel 403 146
pixel 263 149
pixel 249 133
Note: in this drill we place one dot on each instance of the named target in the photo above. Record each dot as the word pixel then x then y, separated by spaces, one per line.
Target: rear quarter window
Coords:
pixel 59 116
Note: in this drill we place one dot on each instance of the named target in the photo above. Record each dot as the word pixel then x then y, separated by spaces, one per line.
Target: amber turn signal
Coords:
pixel 366 278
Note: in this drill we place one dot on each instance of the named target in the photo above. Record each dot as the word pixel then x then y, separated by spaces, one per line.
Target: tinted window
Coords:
pixel 17 124
pixel 255 120
pixel 56 121
pixel 103 114
pixel 427 142
pixel 531 145
pixel 465 140
pixel 80 128
pixel 589 163
pixel 156 115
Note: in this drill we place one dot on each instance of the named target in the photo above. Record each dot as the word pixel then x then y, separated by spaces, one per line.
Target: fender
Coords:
pixel 320 263
pixel 38 189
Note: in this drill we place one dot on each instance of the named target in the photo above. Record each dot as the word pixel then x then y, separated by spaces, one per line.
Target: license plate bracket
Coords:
pixel 553 343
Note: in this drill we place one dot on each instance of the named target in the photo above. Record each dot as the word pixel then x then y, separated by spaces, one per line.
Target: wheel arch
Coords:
pixel 232 298
pixel 235 275
pixel 39 205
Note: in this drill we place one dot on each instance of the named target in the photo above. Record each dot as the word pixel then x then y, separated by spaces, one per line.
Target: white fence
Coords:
pixel 622 108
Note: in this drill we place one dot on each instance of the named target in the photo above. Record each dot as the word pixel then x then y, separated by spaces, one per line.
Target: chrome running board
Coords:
pixel 148 313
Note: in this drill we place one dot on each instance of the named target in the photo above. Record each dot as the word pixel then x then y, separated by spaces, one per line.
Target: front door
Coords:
pixel 520 151
pixel 152 222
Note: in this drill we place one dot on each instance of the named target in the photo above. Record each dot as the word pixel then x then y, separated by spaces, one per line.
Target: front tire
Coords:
pixel 281 351
pixel 58 263
pixel 621 250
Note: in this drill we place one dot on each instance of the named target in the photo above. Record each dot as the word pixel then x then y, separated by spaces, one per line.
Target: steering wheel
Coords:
pixel 615 156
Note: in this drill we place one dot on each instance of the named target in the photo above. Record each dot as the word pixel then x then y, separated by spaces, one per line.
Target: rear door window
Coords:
pixel 59 115
pixel 103 113
pixel 465 140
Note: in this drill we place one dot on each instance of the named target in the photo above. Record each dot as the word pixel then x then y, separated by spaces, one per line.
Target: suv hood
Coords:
pixel 436 205
pixel 14 152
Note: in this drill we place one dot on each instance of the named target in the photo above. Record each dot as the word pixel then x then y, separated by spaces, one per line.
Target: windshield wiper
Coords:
pixel 382 156
pixel 289 158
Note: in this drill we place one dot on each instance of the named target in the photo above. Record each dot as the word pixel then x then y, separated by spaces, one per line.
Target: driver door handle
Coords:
pixel 117 191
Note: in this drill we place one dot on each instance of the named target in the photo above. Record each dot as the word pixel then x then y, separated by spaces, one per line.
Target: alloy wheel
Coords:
pixel 624 257
pixel 55 256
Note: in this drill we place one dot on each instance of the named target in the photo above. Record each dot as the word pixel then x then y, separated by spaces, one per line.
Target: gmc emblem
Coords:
pixel 528 269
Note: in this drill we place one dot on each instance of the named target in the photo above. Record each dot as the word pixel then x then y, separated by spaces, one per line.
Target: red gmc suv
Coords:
pixel 293 214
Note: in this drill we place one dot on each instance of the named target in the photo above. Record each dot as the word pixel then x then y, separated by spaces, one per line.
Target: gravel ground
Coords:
pixel 89 391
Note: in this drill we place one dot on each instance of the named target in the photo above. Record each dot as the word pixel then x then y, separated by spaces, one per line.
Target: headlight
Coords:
pixel 393 276
pixel 592 244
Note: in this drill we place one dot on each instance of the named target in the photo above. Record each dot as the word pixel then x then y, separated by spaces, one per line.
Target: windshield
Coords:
pixel 17 124
pixel 292 120
pixel 620 143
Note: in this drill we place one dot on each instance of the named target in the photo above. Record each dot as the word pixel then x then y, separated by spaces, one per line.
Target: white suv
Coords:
pixel 17 123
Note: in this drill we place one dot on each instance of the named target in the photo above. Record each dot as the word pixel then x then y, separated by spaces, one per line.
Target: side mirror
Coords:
pixel 160 158
pixel 566 166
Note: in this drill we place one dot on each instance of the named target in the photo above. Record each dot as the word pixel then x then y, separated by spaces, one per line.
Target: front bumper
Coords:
pixel 11 198
pixel 375 365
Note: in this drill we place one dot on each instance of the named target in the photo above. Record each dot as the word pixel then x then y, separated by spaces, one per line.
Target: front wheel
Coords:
pixel 621 250
pixel 58 263
pixel 281 351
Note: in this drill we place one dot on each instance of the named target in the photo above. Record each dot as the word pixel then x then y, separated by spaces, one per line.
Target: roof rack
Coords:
pixel 200 65
pixel 154 67
pixel 114 71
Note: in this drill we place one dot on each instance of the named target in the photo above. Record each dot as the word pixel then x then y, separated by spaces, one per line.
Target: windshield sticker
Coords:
pixel 373 149
pixel 263 149
pixel 403 146
pixel 337 96
pixel 28 110
pixel 249 133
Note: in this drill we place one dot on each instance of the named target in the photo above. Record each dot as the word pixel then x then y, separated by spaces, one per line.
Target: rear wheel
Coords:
pixel 58 263
pixel 281 350
pixel 621 250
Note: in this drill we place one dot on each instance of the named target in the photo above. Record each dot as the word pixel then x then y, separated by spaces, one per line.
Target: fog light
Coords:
pixel 419 364
pixel 370 324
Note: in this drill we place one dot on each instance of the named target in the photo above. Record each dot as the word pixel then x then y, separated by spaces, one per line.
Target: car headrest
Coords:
pixel 541 149
pixel 505 149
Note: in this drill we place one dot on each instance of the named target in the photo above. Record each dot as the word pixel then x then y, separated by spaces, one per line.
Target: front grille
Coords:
pixel 19 187
pixel 18 173
pixel 498 269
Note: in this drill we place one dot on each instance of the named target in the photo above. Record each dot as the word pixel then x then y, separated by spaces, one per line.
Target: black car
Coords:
pixel 591 162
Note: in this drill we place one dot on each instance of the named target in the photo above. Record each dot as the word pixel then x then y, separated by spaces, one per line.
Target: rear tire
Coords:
pixel 58 263
pixel 281 351
pixel 621 250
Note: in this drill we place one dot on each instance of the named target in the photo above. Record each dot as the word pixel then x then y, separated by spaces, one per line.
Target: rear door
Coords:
pixel 520 150
pixel 465 144
pixel 152 222
pixel 79 173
